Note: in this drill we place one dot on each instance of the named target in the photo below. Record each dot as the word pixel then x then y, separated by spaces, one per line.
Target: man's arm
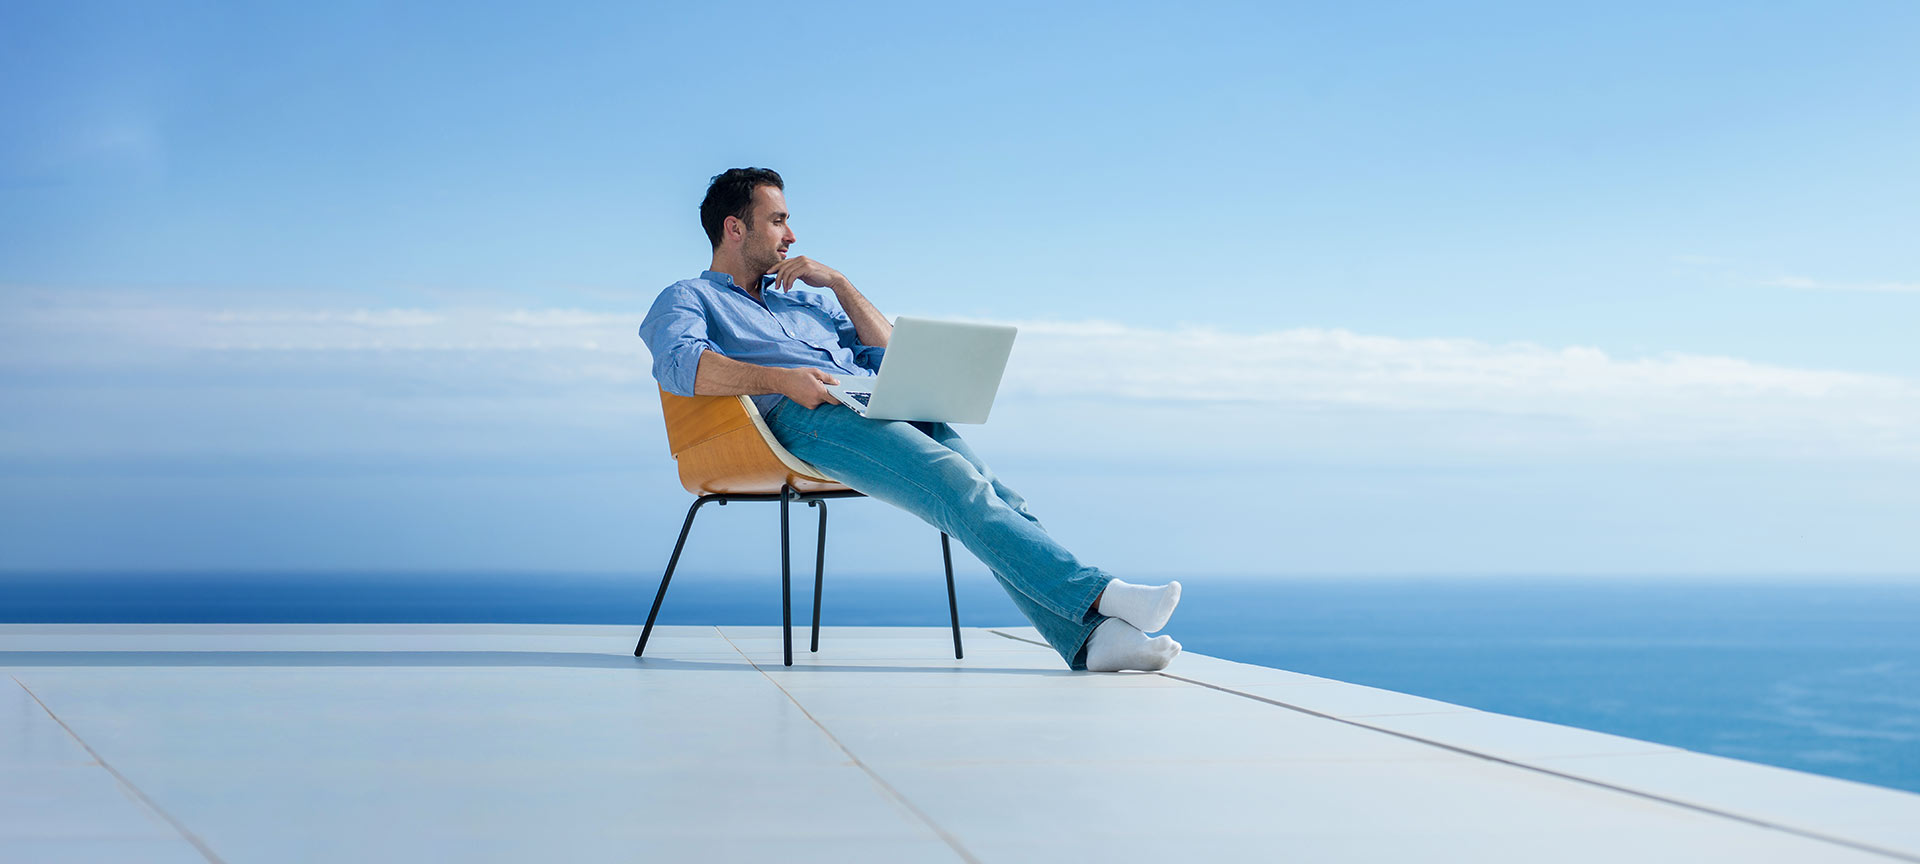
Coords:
pixel 685 363
pixel 720 375
pixel 868 323
pixel 675 331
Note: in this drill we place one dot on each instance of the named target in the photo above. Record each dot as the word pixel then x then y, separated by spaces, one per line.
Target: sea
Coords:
pixel 1817 674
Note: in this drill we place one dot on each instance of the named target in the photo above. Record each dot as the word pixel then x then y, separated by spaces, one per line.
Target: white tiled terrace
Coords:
pixel 366 743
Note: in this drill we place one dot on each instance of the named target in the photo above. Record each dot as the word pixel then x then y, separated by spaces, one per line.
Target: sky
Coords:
pixel 1397 288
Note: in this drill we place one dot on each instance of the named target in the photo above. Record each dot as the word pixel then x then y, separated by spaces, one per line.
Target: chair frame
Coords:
pixel 785 497
pixel 726 453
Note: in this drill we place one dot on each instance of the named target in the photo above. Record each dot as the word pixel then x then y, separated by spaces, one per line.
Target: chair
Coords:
pixel 726 453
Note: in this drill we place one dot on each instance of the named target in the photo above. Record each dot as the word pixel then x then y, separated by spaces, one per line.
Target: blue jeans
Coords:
pixel 925 469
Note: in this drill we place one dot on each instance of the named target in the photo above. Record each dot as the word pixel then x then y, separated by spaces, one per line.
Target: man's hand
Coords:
pixel 807 386
pixel 867 321
pixel 804 269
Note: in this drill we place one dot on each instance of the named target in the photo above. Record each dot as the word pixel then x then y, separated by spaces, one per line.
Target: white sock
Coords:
pixel 1146 607
pixel 1116 646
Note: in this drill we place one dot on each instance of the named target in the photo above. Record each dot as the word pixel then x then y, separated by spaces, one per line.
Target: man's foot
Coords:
pixel 1146 607
pixel 1116 646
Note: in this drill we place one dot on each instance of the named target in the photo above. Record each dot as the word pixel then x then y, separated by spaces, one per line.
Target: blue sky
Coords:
pixel 1410 287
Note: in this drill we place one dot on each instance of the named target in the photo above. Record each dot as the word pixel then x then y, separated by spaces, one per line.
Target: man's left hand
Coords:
pixel 804 269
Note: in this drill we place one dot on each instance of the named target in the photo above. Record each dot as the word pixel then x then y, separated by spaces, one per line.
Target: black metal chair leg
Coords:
pixel 786 497
pixel 819 571
pixel 668 577
pixel 953 605
pixel 786 582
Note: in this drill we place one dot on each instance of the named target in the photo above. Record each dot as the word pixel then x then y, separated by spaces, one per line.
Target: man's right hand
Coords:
pixel 807 386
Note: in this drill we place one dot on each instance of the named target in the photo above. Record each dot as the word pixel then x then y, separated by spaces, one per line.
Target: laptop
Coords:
pixel 935 371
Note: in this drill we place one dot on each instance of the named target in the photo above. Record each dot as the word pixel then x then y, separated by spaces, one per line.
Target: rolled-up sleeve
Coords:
pixel 868 356
pixel 675 330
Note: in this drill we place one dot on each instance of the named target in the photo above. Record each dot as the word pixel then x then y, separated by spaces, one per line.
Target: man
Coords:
pixel 744 328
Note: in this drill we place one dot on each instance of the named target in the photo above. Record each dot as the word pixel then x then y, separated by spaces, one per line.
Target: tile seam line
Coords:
pixel 120 778
pixel 1637 793
pixel 942 833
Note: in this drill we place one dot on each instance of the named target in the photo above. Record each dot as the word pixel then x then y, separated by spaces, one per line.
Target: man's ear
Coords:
pixel 734 226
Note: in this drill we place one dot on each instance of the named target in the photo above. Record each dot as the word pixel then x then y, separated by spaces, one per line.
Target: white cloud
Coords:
pixel 1342 367
pixel 315 330
pixel 469 329
pixel 1513 392
pixel 368 318
pixel 1475 394
pixel 1801 283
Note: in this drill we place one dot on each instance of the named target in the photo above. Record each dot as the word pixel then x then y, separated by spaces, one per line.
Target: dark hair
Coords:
pixel 731 194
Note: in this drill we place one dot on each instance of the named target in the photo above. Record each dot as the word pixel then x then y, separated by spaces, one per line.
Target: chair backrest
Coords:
pixel 722 445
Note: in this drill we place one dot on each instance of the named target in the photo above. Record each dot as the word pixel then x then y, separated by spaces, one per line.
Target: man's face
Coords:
pixel 768 236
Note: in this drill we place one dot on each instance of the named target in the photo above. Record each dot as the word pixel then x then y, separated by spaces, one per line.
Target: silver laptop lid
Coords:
pixel 941 371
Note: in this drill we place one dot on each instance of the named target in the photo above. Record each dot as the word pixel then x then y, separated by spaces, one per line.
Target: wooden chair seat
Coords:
pixel 723 445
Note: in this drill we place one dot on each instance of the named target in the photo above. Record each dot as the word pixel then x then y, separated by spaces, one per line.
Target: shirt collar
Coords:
pixel 725 280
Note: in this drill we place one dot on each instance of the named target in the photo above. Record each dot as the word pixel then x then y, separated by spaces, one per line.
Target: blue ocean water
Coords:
pixel 1819 675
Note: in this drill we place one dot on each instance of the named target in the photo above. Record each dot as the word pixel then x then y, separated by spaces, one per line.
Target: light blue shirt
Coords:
pixel 792 329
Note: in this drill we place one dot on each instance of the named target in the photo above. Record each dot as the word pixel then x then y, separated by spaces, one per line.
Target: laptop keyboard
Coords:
pixel 865 398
